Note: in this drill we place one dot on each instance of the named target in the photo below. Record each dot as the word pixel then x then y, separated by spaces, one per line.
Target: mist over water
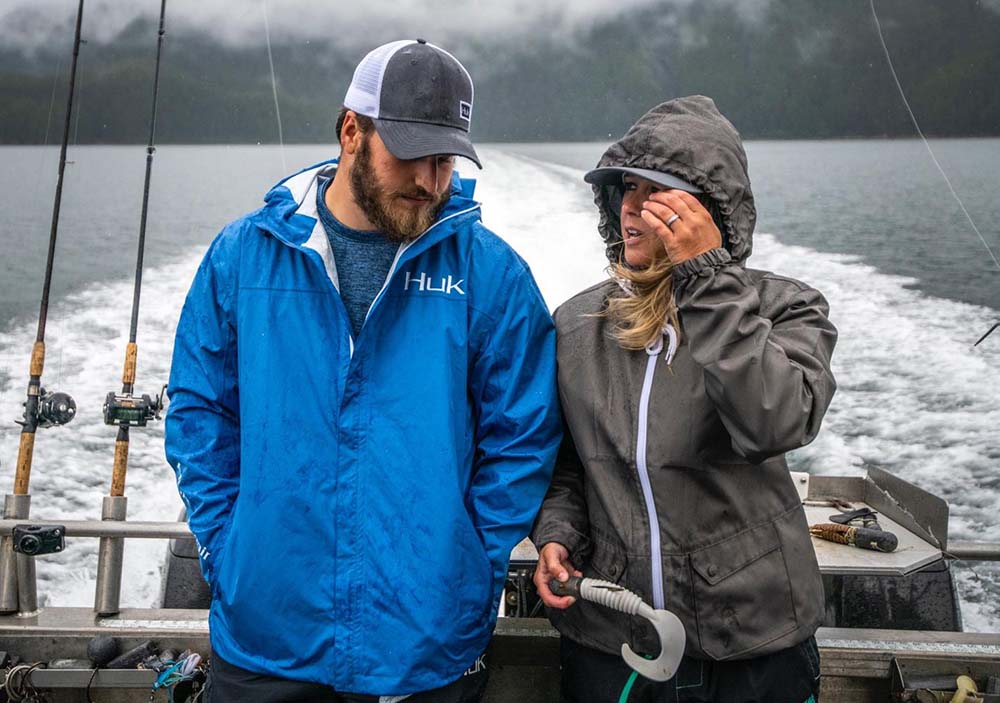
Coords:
pixel 914 396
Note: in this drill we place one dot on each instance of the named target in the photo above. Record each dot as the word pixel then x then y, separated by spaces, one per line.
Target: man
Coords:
pixel 363 415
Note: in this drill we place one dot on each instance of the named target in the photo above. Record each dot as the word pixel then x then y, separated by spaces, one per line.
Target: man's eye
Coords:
pixel 446 160
pixel 629 186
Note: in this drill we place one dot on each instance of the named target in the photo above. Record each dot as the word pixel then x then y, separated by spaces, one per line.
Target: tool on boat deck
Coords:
pixel 966 691
pixel 951 690
pixel 17 683
pixel 866 516
pixel 830 502
pixel 856 528
pixel 667 625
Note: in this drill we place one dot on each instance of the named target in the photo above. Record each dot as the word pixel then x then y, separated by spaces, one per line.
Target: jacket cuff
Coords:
pixel 714 258
pixel 576 543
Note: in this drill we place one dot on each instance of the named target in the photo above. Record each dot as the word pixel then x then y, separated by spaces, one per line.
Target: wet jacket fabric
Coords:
pixel 355 501
pixel 672 480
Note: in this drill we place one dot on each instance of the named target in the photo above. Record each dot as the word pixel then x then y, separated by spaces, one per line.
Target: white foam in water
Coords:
pixel 914 396
pixel 548 218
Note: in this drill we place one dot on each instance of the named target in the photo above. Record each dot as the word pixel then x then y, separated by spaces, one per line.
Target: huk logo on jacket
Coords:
pixel 424 282
pixel 477 666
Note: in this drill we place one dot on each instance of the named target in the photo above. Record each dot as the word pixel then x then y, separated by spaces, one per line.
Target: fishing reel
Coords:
pixel 132 411
pixel 51 410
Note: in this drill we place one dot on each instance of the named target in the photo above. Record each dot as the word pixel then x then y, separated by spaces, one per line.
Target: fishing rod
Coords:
pixel 125 409
pixel 41 408
pixel 937 164
pixel 988 333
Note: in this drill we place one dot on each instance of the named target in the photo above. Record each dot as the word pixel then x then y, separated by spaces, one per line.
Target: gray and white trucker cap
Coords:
pixel 420 98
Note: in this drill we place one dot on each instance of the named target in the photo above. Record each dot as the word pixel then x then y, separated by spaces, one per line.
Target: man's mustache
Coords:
pixel 417 193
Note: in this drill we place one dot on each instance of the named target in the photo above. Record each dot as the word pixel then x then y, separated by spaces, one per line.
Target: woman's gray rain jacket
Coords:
pixel 729 551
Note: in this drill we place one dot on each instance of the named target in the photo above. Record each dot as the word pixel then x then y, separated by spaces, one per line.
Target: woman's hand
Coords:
pixel 554 563
pixel 691 233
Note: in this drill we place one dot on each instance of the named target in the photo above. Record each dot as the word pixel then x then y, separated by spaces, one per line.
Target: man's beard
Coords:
pixel 397 222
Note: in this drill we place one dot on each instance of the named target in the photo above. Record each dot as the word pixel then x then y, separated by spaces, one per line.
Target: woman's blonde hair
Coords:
pixel 640 315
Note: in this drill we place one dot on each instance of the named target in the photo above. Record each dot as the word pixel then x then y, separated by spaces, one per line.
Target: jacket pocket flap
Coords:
pixel 607 561
pixel 725 558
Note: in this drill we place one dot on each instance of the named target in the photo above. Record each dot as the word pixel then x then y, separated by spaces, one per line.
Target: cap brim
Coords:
pixel 612 175
pixel 415 140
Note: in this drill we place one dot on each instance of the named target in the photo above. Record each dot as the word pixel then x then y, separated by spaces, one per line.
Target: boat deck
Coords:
pixel 856 665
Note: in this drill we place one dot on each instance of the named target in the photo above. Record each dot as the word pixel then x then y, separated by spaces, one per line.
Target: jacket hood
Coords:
pixel 689 138
pixel 289 210
pixel 290 215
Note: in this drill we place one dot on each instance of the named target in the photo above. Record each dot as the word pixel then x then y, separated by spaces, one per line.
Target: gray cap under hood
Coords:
pixel 689 138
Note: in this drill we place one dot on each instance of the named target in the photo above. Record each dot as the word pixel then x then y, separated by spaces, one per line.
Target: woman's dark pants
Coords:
pixel 788 676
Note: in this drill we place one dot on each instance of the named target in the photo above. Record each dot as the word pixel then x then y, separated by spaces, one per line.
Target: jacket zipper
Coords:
pixel 392 268
pixel 398 258
pixel 655 556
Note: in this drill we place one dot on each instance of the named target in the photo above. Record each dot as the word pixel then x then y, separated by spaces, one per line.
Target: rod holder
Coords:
pixel 15 507
pixel 110 555
pixel 27 586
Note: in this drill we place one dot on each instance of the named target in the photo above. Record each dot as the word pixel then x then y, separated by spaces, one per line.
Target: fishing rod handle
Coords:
pixel 37 364
pixel 877 540
pixel 874 539
pixel 604 593
pixel 120 466
pixel 569 587
pixel 22 472
pixel 128 371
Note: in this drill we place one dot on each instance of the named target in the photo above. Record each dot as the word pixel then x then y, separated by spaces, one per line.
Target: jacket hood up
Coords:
pixel 689 138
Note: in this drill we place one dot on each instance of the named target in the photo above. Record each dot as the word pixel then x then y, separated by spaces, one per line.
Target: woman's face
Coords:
pixel 641 245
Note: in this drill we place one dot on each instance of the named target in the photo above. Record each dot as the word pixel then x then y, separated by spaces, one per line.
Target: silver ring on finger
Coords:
pixel 672 219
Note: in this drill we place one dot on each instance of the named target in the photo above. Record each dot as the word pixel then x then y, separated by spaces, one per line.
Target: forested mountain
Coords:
pixel 788 69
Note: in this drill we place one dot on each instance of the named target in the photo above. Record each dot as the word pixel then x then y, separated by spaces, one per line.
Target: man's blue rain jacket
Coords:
pixel 355 501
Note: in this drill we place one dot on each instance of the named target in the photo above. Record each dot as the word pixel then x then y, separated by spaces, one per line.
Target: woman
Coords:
pixel 684 379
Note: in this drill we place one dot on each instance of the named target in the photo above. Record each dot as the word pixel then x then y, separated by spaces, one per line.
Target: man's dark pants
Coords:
pixel 231 684
pixel 788 676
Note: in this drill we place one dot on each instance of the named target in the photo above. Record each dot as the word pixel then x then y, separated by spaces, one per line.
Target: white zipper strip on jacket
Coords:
pixel 655 555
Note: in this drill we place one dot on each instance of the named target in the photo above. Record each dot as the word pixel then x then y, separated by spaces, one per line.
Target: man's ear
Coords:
pixel 350 133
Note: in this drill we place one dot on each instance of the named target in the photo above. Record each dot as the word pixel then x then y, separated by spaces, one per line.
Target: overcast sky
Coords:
pixel 27 23
pixel 30 23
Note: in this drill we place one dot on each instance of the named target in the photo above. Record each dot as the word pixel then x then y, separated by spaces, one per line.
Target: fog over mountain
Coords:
pixel 27 23
pixel 543 70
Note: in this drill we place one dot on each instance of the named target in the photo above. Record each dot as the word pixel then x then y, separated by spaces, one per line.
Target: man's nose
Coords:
pixel 427 173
